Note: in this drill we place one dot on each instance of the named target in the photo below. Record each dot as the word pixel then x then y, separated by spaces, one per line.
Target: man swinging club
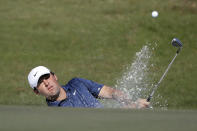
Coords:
pixel 77 92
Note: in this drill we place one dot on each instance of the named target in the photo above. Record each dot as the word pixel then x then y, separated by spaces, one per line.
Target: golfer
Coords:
pixel 77 92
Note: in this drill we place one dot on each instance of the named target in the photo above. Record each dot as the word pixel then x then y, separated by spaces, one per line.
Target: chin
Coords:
pixel 54 96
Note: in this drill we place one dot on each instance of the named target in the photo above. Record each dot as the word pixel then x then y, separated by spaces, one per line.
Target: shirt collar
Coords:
pixel 55 103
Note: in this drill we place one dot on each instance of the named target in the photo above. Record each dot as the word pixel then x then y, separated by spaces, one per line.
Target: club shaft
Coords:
pixel 156 86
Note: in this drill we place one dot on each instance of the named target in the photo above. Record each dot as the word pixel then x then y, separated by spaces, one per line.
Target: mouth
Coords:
pixel 50 89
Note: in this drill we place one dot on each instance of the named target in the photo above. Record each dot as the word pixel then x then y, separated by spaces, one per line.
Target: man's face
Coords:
pixel 48 86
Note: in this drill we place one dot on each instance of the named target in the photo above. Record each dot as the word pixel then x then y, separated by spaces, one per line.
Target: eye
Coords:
pixel 44 77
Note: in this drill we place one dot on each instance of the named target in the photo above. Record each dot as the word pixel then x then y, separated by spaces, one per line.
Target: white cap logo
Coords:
pixel 35 74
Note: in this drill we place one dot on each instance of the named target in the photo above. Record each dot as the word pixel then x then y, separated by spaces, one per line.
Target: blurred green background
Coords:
pixel 95 39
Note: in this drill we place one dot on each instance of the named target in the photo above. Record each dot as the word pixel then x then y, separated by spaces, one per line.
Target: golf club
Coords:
pixel 177 43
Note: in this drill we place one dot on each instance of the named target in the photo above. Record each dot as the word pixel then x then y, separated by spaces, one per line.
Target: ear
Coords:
pixel 36 91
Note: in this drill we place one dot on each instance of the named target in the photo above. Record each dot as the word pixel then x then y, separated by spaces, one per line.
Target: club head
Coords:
pixel 176 42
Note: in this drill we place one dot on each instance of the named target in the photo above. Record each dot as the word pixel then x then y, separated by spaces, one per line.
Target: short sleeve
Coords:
pixel 93 87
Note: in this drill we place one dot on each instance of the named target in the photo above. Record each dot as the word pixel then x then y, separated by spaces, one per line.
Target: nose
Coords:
pixel 45 81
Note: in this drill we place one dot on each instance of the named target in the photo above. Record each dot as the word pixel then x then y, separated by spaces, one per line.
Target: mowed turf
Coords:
pixel 97 39
pixel 23 118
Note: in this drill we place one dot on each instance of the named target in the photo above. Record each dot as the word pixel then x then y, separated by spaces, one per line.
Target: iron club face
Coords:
pixel 176 42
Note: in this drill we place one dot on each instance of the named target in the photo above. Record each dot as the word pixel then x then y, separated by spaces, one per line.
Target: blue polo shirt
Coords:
pixel 79 93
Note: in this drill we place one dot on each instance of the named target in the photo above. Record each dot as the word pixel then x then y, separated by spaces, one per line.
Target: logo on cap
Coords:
pixel 35 74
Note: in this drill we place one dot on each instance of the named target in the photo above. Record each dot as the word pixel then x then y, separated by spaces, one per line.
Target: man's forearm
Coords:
pixel 122 98
pixel 111 93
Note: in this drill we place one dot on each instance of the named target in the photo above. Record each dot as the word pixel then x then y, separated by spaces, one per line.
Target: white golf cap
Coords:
pixel 35 74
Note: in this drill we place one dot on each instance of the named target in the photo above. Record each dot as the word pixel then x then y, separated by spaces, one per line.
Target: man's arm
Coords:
pixel 110 93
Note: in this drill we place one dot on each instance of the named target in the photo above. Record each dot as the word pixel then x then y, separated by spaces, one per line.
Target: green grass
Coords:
pixel 42 118
pixel 95 39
